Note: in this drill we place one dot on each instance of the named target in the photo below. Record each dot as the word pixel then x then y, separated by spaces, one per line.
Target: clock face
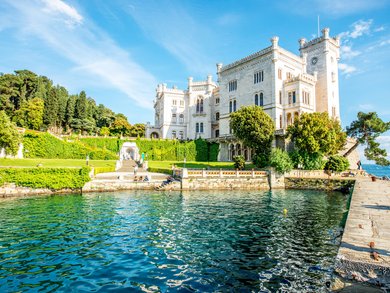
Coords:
pixel 314 60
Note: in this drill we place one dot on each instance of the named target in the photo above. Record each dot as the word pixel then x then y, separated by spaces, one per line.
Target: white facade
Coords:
pixel 283 83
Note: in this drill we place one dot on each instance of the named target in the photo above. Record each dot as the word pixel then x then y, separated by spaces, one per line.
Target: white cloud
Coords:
pixel 347 52
pixel 346 69
pixel 358 29
pixel 366 107
pixel 87 47
pixel 177 31
pixel 379 29
pixel 58 7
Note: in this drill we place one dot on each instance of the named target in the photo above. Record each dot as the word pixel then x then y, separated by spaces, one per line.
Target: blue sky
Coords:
pixel 119 50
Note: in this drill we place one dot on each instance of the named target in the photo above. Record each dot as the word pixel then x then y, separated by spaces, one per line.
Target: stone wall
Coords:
pixel 114 185
pixel 224 183
pixel 11 190
pixel 319 184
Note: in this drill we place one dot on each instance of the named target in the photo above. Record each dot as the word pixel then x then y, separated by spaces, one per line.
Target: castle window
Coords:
pixel 173 134
pixel 217 133
pixel 216 101
pixel 258 76
pixel 181 118
pixel 174 102
pixel 217 116
pixel 232 85
pixel 333 111
pixel 256 99
pixel 261 99
pixel 288 75
pixel 294 98
pixel 197 127
pixel 199 105
pixel 234 106
pixel 181 103
pixel 181 135
pixel 280 121
pixel 174 118
pixel 201 127
pixel 230 106
pixel 280 97
pixel 280 73
pixel 289 97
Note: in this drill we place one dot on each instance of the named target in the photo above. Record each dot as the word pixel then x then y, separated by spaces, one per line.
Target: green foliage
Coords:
pixel 281 161
pixel 52 178
pixel 255 129
pixel 104 131
pixel 98 170
pixel 336 163
pixel 307 161
pixel 366 130
pixel 9 136
pixel 239 162
pixel 21 94
pixel 252 126
pixel 44 145
pixel 316 133
pixel 120 127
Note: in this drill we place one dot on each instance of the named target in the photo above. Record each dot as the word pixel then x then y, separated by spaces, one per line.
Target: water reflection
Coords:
pixel 196 241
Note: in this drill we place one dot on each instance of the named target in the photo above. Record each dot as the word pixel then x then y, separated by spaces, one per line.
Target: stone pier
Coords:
pixel 364 254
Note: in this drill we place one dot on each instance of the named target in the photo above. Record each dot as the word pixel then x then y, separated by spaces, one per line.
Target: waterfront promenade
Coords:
pixel 364 253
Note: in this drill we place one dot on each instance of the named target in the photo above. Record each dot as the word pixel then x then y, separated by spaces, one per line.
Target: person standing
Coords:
pixel 135 169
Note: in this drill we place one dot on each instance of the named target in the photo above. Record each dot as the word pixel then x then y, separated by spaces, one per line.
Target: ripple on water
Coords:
pixel 143 241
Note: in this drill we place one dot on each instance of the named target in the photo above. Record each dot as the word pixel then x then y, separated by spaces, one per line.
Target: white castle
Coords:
pixel 284 84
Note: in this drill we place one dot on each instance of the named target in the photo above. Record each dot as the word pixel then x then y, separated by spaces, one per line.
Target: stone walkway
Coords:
pixel 364 253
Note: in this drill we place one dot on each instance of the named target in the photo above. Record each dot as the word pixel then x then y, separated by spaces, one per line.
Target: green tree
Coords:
pixel 104 131
pixel 69 115
pixel 30 115
pixel 137 130
pixel 239 162
pixel 366 130
pixel 336 163
pixel 280 160
pixel 9 136
pixel 50 116
pixel 120 127
pixel 316 133
pixel 80 111
pixel 255 129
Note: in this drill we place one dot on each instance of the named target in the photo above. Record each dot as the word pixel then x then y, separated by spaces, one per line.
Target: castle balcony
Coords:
pixel 280 132
pixel 304 77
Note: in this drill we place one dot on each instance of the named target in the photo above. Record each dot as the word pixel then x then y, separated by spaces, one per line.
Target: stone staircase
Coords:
pixel 128 166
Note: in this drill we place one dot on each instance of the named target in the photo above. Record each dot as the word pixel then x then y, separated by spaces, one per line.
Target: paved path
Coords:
pixel 368 223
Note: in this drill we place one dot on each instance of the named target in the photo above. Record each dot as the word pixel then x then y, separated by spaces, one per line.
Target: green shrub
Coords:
pixel 44 145
pixel 98 170
pixel 281 161
pixel 52 178
pixel 239 162
pixel 336 163
pixel 307 161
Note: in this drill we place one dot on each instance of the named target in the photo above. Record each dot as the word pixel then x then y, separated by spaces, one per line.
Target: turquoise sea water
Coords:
pixel 377 170
pixel 169 242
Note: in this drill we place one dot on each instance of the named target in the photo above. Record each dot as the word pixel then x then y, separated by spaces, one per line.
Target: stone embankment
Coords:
pixel 364 253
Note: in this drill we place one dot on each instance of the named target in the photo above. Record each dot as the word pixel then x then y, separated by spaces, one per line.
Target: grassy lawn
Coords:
pixel 53 163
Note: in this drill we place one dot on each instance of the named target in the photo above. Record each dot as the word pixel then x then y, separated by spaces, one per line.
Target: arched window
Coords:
pixel 201 127
pixel 234 106
pixel 230 106
pixel 261 99
pixel 217 116
pixel 256 99
pixel 294 97
pixel 173 134
pixel 174 118
pixel 181 118
pixel 199 105
pixel 181 135
pixel 197 128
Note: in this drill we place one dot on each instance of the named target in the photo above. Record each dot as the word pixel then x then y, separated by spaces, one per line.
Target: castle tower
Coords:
pixel 322 55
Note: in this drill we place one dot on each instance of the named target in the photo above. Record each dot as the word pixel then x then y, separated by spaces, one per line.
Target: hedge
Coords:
pixel 162 150
pixel 44 145
pixel 52 178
